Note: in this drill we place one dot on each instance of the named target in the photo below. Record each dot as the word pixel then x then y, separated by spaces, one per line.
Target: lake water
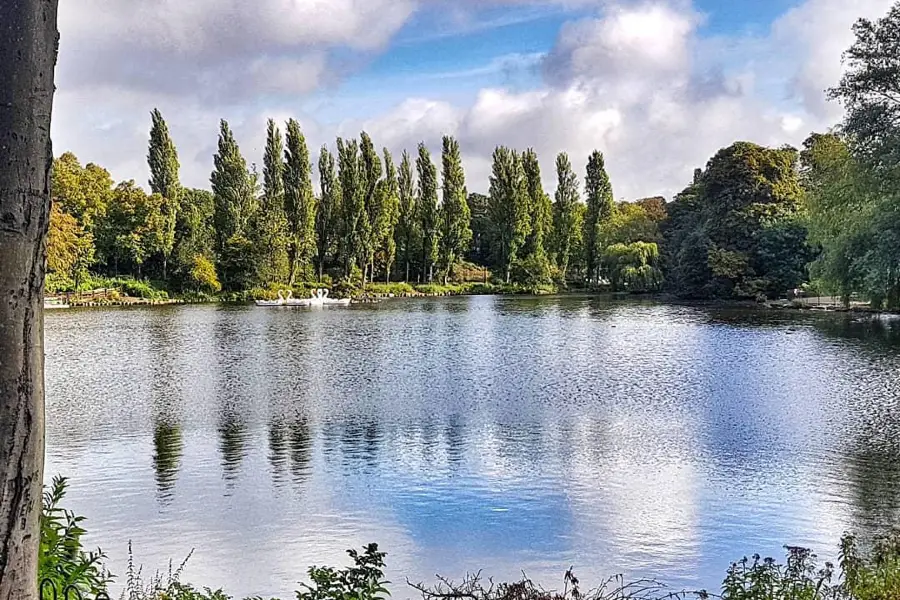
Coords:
pixel 502 434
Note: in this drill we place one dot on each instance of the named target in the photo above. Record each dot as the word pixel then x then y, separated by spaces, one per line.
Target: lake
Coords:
pixel 460 434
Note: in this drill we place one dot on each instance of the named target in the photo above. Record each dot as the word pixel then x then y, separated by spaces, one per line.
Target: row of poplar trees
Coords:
pixel 367 219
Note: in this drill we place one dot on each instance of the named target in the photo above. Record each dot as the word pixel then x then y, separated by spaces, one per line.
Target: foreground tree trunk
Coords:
pixel 28 43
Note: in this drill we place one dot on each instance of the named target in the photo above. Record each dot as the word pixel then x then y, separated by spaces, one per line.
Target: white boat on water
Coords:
pixel 282 301
pixel 318 297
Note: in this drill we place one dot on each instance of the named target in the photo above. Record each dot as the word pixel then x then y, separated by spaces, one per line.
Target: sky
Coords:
pixel 657 85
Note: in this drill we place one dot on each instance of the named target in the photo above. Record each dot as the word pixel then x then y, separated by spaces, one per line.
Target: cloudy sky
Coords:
pixel 657 85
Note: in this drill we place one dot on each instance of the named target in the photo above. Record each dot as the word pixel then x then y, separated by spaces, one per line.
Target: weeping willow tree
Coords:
pixel 633 267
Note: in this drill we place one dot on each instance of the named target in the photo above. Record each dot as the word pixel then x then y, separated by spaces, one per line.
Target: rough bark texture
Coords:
pixel 28 46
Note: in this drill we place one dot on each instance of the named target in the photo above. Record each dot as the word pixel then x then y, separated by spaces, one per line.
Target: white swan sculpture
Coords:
pixel 280 302
pixel 318 297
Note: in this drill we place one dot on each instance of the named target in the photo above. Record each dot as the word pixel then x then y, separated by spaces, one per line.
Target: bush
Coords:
pixel 62 561
pixel 386 289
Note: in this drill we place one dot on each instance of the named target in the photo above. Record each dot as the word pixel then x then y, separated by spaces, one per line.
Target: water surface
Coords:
pixel 472 433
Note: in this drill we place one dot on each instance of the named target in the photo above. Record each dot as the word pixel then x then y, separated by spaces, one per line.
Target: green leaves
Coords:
pixel 509 205
pixel 428 210
pixel 62 560
pixel 600 206
pixel 364 580
pixel 299 200
pixel 456 233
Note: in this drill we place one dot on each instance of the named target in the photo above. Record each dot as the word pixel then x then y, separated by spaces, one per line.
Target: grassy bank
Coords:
pixel 870 572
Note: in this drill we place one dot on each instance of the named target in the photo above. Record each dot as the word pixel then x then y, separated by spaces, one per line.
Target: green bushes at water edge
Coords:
pixel 872 573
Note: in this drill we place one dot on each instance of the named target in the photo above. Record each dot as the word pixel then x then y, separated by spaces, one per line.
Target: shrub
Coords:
pixel 62 561
pixel 362 581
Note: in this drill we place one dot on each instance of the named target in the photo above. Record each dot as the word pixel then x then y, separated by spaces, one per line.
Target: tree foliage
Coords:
pixel 427 201
pixel 299 201
pixel 600 207
pixel 509 206
pixel 408 230
pixel 455 216
pixel 566 228
pixel 725 229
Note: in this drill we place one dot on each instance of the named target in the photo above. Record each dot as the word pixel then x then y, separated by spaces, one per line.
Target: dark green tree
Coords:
pixel 482 248
pixel 388 215
pixel 163 161
pixel 299 201
pixel 234 190
pixel 328 208
pixel 870 93
pixel 509 206
pixel 600 206
pixel 370 176
pixel 565 226
pixel 539 207
pixel 354 217
pixel 454 218
pixel 194 231
pixel 428 210
pixel 407 231
pixel 271 221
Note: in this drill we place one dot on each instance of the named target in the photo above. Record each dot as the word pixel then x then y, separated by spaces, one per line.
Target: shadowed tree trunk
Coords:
pixel 28 45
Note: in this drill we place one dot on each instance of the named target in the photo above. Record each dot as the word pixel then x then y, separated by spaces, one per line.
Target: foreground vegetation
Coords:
pixel 872 573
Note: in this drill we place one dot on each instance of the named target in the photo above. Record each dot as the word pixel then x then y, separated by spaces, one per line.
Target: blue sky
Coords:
pixel 657 85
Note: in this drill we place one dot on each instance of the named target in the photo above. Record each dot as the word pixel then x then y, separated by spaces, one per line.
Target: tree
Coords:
pixel 28 43
pixel 388 215
pixel 83 192
pixel 455 232
pixel 270 225
pixel 853 220
pixel 727 229
pixel 328 208
pixel 482 247
pixel 633 267
pixel 300 201
pixel 354 217
pixel 163 161
pixel 234 190
pixel 407 231
pixel 70 251
pixel 870 93
pixel 600 206
pixel 565 227
pixel 370 176
pixel 194 230
pixel 427 201
pixel 539 207
pixel 134 227
pixel 509 206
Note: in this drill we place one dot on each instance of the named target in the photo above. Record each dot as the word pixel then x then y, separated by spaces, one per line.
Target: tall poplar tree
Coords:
pixel 271 222
pixel 328 207
pixel 370 176
pixel 388 214
pixel 600 206
pixel 455 231
pixel 299 200
pixel 234 190
pixel 162 157
pixel 508 206
pixel 407 231
pixel 565 215
pixel 428 210
pixel 538 206
pixel 353 206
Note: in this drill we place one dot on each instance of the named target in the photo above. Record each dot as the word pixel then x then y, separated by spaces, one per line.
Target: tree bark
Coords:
pixel 28 46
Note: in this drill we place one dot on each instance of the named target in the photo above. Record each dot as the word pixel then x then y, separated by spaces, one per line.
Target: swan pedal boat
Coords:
pixel 318 298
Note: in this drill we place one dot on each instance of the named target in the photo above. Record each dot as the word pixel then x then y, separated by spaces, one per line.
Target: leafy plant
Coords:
pixel 362 581
pixel 764 579
pixel 62 562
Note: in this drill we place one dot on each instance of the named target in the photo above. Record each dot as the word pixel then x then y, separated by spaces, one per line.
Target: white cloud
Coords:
pixel 639 81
